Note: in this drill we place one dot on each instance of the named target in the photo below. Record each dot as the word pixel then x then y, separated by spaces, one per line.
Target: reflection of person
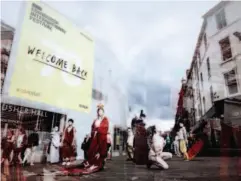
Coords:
pixel 98 146
pixel 156 155
pixel 54 147
pixel 21 143
pixel 33 142
pixel 7 146
pixel 68 143
pixel 130 140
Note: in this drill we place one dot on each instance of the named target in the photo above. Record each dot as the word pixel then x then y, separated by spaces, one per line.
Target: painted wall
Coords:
pixel 213 52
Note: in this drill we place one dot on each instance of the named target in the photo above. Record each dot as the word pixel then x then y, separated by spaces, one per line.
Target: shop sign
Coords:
pixel 22 110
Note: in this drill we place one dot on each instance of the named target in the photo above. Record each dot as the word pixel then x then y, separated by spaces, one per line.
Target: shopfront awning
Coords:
pixel 210 113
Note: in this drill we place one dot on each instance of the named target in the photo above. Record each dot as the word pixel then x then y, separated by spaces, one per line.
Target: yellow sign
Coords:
pixel 54 60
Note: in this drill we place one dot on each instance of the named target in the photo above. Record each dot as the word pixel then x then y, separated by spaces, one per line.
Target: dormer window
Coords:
pixel 221 19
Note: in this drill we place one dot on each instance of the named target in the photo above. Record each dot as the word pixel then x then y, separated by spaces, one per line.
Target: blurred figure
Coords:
pixel 21 143
pixel 7 147
pixel 118 141
pixel 156 155
pixel 109 147
pixel 140 145
pixel 133 123
pixel 176 146
pixel 130 141
pixel 33 142
pixel 85 146
pixel 182 134
pixel 54 147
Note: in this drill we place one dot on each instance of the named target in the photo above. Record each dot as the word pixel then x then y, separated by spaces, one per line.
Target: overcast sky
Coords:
pixel 154 41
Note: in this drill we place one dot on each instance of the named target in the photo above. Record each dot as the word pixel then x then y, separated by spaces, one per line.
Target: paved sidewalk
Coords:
pixel 200 169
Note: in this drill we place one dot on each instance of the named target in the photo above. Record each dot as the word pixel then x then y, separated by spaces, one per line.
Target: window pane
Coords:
pixel 221 19
pixel 233 88
pixel 226 48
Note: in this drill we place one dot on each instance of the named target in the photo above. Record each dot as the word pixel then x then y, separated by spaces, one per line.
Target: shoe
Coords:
pixel 31 164
pixel 64 163
pixel 68 163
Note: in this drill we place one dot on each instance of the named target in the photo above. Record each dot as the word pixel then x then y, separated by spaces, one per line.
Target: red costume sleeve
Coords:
pixel 102 137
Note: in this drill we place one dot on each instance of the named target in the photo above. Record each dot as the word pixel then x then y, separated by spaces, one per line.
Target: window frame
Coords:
pixel 236 79
pixel 223 51
pixel 208 67
pixel 223 20
pixel 201 78
pixel 211 94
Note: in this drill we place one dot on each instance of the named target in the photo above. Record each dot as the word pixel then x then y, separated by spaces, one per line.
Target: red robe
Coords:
pixel 68 150
pixel 98 145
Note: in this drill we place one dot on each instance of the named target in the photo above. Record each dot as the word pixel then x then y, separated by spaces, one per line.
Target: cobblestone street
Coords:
pixel 200 169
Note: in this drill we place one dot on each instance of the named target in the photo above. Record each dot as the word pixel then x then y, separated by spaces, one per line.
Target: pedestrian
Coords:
pixel 21 143
pixel 109 147
pixel 85 146
pixel 176 146
pixel 54 146
pixel 33 142
pixel 156 155
pixel 68 143
pixel 130 140
pixel 182 134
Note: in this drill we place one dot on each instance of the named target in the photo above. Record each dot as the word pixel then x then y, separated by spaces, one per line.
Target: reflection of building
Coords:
pixel 106 90
pixel 13 116
pixel 213 82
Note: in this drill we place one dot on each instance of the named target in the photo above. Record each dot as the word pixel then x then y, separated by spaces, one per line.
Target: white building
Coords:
pixel 216 66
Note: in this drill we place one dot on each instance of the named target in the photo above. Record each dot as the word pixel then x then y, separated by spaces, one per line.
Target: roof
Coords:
pixel 6 27
pixel 215 8
pixel 197 46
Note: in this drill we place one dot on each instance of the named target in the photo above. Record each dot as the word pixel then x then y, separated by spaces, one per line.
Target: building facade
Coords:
pixel 214 77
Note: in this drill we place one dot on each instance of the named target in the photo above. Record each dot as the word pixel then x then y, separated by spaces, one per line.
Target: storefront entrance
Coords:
pixel 13 117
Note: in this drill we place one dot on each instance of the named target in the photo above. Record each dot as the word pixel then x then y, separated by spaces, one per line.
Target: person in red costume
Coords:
pixel 68 143
pixel 97 151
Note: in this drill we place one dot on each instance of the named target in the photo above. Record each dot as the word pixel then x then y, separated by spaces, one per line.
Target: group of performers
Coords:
pixel 145 146
pixel 97 148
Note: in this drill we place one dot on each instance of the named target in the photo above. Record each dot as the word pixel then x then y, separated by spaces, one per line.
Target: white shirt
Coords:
pixel 130 138
pixel 19 141
pixel 182 134
pixel 158 143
